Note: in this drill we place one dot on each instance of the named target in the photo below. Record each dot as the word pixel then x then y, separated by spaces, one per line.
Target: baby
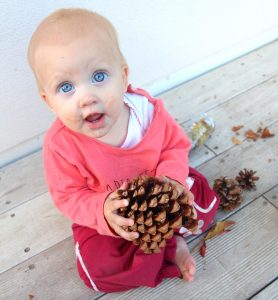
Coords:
pixel 107 132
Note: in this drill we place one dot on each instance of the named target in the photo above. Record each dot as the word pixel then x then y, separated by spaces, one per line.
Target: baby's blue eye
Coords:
pixel 66 87
pixel 99 76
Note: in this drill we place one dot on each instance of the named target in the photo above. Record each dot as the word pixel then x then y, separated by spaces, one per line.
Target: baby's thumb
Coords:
pixel 161 178
pixel 124 186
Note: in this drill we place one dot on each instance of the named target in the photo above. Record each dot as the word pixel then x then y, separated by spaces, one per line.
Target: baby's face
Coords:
pixel 84 83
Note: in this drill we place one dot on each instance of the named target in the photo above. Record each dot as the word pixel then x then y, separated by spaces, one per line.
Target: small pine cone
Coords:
pixel 157 211
pixel 246 179
pixel 229 192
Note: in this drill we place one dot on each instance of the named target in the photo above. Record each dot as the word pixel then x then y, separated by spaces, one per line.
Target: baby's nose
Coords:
pixel 87 99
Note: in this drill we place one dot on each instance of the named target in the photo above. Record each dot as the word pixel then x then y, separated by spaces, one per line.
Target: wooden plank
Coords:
pixel 256 108
pixel 29 229
pixel 243 258
pixel 221 84
pixel 272 195
pixel 50 275
pixel 21 181
pixel 269 293
pixel 200 156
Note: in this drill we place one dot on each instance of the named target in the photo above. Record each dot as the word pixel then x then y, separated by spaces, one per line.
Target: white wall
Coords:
pixel 165 43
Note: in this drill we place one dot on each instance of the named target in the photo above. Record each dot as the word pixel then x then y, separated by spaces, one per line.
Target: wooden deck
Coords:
pixel 36 247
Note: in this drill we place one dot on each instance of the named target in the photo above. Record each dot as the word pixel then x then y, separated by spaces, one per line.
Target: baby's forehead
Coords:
pixel 57 39
pixel 64 31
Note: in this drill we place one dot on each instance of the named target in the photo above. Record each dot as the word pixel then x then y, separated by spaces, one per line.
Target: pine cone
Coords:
pixel 229 192
pixel 247 179
pixel 157 211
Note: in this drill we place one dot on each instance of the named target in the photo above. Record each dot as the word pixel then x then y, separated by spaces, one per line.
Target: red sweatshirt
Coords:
pixel 81 171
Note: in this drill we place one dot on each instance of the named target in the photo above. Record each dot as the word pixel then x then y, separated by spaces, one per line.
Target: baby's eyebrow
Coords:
pixel 98 65
pixel 59 78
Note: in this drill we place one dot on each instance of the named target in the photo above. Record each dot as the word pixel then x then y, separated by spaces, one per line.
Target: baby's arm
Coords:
pixel 173 161
pixel 71 195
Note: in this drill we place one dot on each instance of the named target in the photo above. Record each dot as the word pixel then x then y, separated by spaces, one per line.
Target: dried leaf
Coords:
pixel 236 128
pixel 218 229
pixel 30 297
pixel 266 133
pixel 236 141
pixel 250 134
pixel 203 249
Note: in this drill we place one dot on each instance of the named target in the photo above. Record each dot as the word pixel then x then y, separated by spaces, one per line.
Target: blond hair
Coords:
pixel 64 25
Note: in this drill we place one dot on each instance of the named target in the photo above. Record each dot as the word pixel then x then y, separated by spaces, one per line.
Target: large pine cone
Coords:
pixel 229 192
pixel 246 179
pixel 157 211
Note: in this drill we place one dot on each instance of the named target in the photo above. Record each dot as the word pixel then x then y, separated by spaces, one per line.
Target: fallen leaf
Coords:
pixel 203 249
pixel 30 297
pixel 250 134
pixel 219 228
pixel 266 133
pixel 236 140
pixel 236 128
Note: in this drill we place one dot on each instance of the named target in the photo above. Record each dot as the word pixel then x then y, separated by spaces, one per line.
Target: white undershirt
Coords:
pixel 140 117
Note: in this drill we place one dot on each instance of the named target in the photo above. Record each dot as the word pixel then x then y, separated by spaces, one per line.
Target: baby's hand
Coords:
pixel 179 187
pixel 111 205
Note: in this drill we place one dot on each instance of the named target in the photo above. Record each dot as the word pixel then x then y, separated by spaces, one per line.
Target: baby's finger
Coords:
pixel 179 189
pixel 130 236
pixel 121 221
pixel 162 178
pixel 190 198
pixel 120 191
pixel 124 186
pixel 187 197
pixel 116 204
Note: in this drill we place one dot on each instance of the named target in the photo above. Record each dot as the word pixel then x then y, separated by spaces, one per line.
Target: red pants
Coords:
pixel 110 264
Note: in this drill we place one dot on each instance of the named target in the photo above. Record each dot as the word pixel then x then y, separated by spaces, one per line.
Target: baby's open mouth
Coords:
pixel 94 117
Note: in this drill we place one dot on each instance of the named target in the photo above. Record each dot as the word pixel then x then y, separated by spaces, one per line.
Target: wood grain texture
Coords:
pixel 21 181
pixel 199 156
pixel 272 195
pixel 222 84
pixel 256 108
pixel 50 275
pixel 269 293
pixel 29 229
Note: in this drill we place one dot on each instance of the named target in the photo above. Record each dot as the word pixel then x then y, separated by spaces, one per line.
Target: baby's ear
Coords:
pixel 46 99
pixel 125 73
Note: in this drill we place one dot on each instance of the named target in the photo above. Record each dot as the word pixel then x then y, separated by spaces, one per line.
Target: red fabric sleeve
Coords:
pixel 71 195
pixel 173 160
